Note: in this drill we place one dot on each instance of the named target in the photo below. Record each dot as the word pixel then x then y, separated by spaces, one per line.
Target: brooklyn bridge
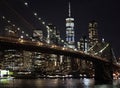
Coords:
pixel 51 56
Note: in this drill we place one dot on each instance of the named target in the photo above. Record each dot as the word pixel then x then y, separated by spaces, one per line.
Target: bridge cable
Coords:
pixel 14 11
pixel 39 19
pixel 14 26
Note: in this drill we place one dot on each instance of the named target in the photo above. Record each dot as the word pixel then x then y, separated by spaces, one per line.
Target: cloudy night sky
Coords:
pixel 105 12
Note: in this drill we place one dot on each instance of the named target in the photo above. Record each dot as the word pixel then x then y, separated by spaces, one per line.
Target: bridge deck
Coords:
pixel 22 44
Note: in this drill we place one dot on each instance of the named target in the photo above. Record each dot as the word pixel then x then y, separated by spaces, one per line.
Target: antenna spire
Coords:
pixel 69 9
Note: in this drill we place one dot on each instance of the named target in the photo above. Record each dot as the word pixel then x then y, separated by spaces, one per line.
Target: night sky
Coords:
pixel 105 12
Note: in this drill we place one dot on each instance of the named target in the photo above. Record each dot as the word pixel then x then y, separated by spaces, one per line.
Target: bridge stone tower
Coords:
pixel 103 71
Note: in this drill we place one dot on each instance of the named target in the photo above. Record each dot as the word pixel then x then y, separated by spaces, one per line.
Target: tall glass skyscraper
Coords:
pixel 70 35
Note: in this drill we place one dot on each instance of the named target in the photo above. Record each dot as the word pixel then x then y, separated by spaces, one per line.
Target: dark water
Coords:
pixel 54 83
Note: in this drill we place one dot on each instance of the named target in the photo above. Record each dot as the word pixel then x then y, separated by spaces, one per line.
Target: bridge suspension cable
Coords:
pixel 101 50
pixel 11 9
pixel 18 28
pixel 19 16
pixel 35 14
pixel 114 57
pixel 104 48
pixel 39 19
pixel 91 47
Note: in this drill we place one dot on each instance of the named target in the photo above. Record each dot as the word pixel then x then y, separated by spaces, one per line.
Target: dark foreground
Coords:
pixel 54 83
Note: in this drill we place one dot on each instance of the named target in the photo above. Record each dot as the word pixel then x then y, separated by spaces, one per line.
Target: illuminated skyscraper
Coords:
pixel 10 31
pixel 83 44
pixel 70 35
pixel 93 33
pixel 38 34
pixel 52 34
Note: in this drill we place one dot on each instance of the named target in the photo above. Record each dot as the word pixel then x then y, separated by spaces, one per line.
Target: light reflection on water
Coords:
pixel 54 83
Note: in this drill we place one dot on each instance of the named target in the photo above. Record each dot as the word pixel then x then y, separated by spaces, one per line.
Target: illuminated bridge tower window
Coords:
pixel 70 35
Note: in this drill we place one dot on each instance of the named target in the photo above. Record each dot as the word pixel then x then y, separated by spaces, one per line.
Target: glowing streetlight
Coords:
pixel 18 29
pixel 39 43
pixel 13 25
pixel 3 17
pixel 39 18
pixel 47 27
pixel 26 4
pixel 35 14
pixel 21 36
pixel 43 22
pixel 21 41
pixel 27 35
pixel 23 32
pixel 8 21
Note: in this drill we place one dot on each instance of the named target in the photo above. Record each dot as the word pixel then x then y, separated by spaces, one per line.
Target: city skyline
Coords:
pixel 104 12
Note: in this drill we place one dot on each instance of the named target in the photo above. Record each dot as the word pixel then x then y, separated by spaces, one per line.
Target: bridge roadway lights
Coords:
pixel 103 69
pixel 103 73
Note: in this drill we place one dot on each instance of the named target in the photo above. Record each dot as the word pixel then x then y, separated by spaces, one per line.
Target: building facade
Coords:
pixel 93 33
pixel 70 34
pixel 38 34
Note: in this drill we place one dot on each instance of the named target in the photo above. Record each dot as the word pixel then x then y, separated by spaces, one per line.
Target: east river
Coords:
pixel 54 83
